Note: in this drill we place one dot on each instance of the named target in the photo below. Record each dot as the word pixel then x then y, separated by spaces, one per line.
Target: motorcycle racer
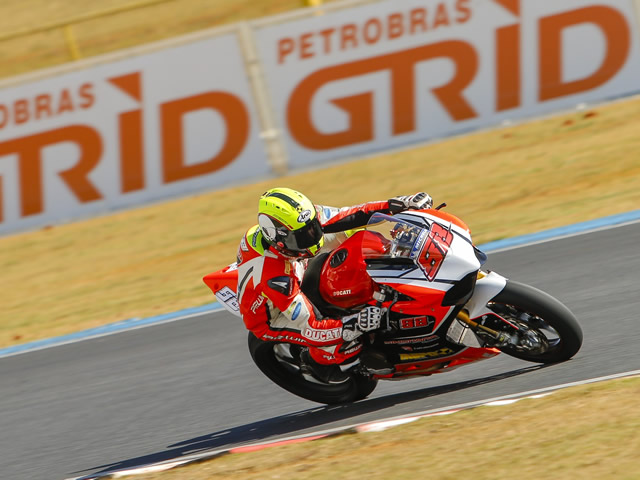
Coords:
pixel 272 258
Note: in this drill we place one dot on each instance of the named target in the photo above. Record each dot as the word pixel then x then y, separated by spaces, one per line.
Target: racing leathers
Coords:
pixel 272 304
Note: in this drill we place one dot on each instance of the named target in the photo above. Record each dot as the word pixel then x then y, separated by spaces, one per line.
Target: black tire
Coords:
pixel 286 374
pixel 542 311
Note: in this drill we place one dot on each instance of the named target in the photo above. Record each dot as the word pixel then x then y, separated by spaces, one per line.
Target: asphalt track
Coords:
pixel 178 388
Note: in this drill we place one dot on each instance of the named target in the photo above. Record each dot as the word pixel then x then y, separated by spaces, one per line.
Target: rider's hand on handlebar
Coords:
pixel 418 201
pixel 366 320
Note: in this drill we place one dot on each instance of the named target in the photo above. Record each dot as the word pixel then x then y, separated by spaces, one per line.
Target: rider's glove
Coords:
pixel 365 320
pixel 418 201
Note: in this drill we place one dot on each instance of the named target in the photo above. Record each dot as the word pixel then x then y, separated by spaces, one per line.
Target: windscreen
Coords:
pixel 400 239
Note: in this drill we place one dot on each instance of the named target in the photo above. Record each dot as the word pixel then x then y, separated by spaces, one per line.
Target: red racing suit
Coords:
pixel 272 304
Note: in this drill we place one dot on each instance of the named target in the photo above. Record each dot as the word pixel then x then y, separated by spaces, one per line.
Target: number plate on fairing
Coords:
pixel 228 299
pixel 423 321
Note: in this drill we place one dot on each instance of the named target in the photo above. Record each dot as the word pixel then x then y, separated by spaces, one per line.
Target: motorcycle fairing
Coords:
pixel 430 261
pixel 224 284
pixel 436 292
pixel 487 287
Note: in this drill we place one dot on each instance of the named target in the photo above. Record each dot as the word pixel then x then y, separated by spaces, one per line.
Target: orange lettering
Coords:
pixel 372 35
pixel 235 116
pixel 616 31
pixel 359 107
pixel 306 45
pixel 462 7
pixel 4 116
pixel 20 111
pixel 326 35
pixel 442 16
pixel 507 67
pixel 131 151
pixel 395 25
pixel 285 47
pixel 86 93
pixel 29 150
pixel 65 105
pixel 418 18
pixel 348 35
pixel 43 104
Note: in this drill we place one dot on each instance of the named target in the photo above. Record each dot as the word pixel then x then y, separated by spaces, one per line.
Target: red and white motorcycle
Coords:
pixel 442 310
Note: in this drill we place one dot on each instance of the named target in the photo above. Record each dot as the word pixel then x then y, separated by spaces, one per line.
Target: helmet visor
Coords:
pixel 305 237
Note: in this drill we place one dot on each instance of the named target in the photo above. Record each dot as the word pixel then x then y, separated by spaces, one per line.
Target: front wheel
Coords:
pixel 280 362
pixel 547 330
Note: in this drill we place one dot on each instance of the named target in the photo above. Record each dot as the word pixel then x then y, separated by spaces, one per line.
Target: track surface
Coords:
pixel 173 389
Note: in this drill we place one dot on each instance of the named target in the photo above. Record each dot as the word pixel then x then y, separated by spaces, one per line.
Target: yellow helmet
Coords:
pixel 289 222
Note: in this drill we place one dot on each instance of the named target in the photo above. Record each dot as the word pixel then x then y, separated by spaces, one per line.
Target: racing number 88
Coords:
pixel 435 250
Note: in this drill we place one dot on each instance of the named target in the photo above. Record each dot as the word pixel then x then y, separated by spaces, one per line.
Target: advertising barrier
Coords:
pixel 298 90
pixel 392 73
pixel 119 134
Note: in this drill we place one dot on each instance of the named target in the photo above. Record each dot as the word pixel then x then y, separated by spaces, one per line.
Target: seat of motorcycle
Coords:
pixel 311 287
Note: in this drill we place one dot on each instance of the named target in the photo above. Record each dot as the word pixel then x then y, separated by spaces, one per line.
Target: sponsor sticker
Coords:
pixel 443 352
pixel 254 238
pixel 413 340
pixel 304 216
pixel 353 349
pixel 322 335
pixel 417 246
pixel 259 301
pixel 281 338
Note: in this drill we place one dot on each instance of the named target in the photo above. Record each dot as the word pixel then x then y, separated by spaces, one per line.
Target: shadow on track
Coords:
pixel 292 424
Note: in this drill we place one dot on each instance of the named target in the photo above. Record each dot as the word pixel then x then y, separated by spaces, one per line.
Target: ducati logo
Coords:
pixel 322 335
pixel 341 293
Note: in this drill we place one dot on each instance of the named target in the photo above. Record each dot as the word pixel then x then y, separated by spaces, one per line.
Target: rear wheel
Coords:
pixel 280 362
pixel 547 330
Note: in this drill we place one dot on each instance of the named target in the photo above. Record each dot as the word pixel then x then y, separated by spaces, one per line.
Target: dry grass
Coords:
pixel 147 261
pixel 505 182
pixel 114 32
pixel 588 432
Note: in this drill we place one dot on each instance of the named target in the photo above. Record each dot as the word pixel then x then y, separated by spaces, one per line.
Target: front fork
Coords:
pixel 497 338
pixel 488 285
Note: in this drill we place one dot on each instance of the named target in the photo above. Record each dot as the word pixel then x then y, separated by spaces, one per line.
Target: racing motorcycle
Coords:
pixel 441 309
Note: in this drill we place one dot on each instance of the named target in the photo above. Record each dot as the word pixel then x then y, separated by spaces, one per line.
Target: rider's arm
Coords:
pixel 340 219
pixel 293 312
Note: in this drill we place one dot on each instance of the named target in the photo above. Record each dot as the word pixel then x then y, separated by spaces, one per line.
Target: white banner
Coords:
pixel 352 81
pixel 392 73
pixel 123 133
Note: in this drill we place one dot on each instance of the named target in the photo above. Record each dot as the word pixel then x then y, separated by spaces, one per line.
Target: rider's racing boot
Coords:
pixel 325 373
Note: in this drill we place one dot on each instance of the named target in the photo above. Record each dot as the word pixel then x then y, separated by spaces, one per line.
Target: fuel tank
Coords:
pixel 345 281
